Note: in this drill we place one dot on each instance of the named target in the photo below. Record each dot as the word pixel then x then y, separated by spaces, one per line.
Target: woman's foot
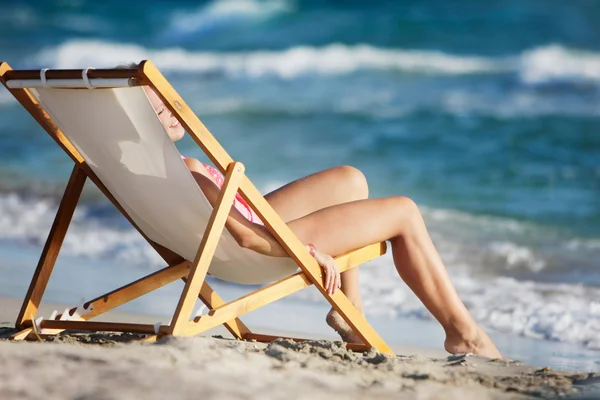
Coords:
pixel 335 320
pixel 477 342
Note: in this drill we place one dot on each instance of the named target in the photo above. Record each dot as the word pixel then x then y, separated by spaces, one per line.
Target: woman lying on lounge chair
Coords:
pixel 342 220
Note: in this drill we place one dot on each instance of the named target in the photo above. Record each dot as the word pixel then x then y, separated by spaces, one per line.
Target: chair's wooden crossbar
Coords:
pixel 147 73
pixel 147 284
pixel 218 314
pixel 117 297
pixel 29 102
pixel 273 292
pixel 99 326
pixel 120 73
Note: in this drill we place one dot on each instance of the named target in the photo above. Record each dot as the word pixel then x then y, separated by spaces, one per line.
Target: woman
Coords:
pixel 343 220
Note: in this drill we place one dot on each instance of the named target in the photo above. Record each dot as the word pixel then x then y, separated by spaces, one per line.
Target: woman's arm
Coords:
pixel 254 236
pixel 247 234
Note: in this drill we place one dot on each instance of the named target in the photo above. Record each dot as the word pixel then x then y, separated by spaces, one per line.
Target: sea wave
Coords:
pixel 517 104
pixel 540 65
pixel 222 11
pixel 334 59
pixel 557 63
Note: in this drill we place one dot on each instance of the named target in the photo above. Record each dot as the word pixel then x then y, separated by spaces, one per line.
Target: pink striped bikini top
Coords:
pixel 239 203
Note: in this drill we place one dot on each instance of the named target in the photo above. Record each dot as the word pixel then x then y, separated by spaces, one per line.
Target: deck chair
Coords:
pixel 104 122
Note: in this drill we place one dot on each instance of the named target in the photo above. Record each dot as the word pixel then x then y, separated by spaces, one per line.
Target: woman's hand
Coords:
pixel 332 280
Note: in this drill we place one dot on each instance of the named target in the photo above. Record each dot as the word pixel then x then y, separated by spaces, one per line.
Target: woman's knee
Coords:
pixel 355 181
pixel 408 213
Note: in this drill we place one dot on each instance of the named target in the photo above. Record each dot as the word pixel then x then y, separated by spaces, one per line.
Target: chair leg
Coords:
pixel 52 247
pixel 208 245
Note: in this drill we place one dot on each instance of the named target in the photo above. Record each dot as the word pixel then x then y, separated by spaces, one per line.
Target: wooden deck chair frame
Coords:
pixel 192 273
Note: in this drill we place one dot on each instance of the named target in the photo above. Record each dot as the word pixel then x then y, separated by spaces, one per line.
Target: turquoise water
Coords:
pixel 485 112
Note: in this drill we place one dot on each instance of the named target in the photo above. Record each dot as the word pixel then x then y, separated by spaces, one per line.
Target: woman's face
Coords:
pixel 169 122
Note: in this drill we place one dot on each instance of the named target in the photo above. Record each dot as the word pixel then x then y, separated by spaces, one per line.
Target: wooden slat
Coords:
pixel 52 246
pixel 121 73
pixel 22 334
pixel 122 295
pixel 4 68
pixel 113 299
pixel 360 256
pixel 98 326
pixel 208 245
pixel 272 292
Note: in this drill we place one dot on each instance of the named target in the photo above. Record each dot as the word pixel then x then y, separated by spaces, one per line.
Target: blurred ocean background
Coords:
pixel 487 113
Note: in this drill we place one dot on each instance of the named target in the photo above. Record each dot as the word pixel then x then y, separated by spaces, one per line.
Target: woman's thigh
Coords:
pixel 340 228
pixel 317 191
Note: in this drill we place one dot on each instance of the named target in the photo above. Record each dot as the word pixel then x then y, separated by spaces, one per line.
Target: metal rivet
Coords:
pixel 178 105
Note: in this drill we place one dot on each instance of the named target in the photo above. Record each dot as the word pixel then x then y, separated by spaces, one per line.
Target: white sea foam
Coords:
pixel 521 103
pixel 220 11
pixel 516 256
pixel 583 244
pixel 29 220
pixel 334 59
pixel 557 63
pixel 534 66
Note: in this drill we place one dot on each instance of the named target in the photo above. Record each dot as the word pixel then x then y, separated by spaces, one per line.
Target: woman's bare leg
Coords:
pixel 317 191
pixel 341 228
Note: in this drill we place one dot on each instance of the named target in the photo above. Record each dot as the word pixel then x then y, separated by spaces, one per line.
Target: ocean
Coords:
pixel 486 113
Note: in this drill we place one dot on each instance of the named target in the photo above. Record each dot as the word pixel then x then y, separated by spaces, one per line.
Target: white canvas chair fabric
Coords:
pixel 120 136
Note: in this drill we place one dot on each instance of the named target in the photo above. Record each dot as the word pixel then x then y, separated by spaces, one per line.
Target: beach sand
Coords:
pixel 110 366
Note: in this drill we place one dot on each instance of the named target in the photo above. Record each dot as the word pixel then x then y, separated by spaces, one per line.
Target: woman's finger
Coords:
pixel 332 283
pixel 327 277
pixel 332 288
pixel 335 280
